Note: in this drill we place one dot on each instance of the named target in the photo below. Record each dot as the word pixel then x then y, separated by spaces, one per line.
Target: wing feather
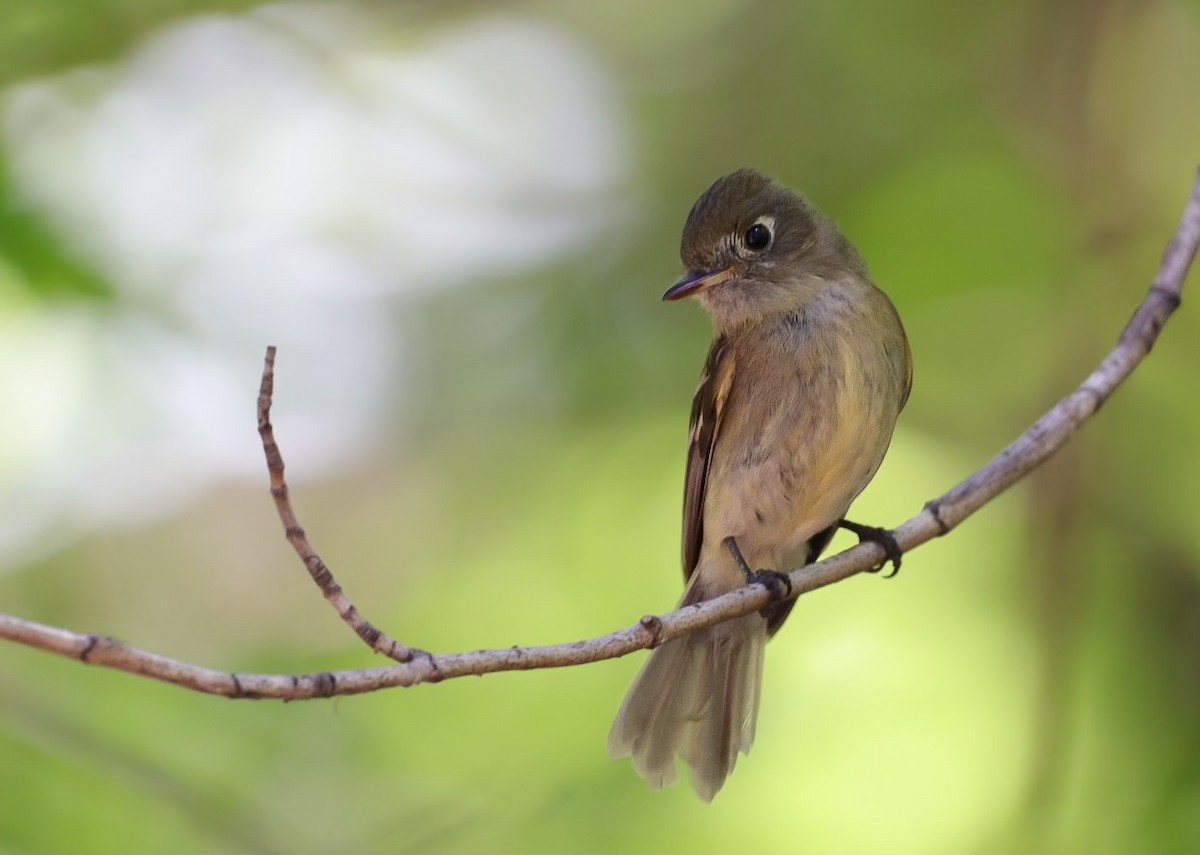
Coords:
pixel 708 406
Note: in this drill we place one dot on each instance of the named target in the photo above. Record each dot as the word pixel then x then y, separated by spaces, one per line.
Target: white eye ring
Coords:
pixel 759 236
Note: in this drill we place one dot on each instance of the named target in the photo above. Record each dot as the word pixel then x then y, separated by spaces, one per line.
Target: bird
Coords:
pixel 804 381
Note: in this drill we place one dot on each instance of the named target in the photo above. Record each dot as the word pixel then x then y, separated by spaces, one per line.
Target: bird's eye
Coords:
pixel 758 237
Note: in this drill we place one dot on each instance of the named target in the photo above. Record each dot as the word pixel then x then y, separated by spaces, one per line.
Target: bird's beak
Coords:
pixel 689 286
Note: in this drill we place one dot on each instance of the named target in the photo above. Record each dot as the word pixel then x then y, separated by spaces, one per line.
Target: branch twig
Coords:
pixel 373 637
pixel 939 516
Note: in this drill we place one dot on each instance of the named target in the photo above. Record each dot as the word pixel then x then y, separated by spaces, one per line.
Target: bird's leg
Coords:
pixel 881 536
pixel 779 584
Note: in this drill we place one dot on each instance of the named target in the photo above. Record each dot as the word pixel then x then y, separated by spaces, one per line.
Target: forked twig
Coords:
pixel 1026 453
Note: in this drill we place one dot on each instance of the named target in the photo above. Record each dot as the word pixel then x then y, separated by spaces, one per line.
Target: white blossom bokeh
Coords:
pixel 283 177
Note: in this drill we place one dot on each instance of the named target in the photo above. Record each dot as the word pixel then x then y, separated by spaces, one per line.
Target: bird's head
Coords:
pixel 753 249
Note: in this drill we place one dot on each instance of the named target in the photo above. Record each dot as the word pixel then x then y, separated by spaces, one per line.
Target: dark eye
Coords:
pixel 758 236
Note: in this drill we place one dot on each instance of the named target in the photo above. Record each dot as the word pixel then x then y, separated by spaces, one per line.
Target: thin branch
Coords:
pixel 373 637
pixel 1026 453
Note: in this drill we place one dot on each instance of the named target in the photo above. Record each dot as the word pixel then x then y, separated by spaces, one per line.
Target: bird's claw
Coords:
pixel 779 584
pixel 881 536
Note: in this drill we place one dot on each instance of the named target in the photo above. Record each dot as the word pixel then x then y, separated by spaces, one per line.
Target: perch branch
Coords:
pixel 939 516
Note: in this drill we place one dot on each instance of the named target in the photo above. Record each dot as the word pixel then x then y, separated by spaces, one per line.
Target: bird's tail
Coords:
pixel 696 696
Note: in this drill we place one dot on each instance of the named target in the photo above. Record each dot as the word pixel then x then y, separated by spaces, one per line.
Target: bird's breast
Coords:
pixel 808 423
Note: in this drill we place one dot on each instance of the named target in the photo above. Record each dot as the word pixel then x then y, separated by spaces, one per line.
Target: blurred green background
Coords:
pixel 456 221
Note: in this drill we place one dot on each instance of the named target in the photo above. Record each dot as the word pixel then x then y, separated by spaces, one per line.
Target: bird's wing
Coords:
pixel 707 409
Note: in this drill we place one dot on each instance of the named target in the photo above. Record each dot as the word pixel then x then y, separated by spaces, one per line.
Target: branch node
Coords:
pixel 93 641
pixel 323 576
pixel 435 675
pixel 935 510
pixel 1173 298
pixel 324 684
pixel 653 625
pixel 369 634
pixel 1098 397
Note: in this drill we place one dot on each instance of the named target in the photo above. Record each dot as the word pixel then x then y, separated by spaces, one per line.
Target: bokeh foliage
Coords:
pixel 1010 172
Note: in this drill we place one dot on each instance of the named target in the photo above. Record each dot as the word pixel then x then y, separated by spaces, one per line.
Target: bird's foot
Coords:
pixel 881 536
pixel 779 584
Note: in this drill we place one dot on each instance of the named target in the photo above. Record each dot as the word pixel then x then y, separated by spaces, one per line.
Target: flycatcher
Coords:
pixel 806 375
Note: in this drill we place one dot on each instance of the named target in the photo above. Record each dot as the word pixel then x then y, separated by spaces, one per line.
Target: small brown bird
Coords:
pixel 803 384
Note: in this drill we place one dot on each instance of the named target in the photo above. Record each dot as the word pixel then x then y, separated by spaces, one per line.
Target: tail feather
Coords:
pixel 666 696
pixel 696 696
